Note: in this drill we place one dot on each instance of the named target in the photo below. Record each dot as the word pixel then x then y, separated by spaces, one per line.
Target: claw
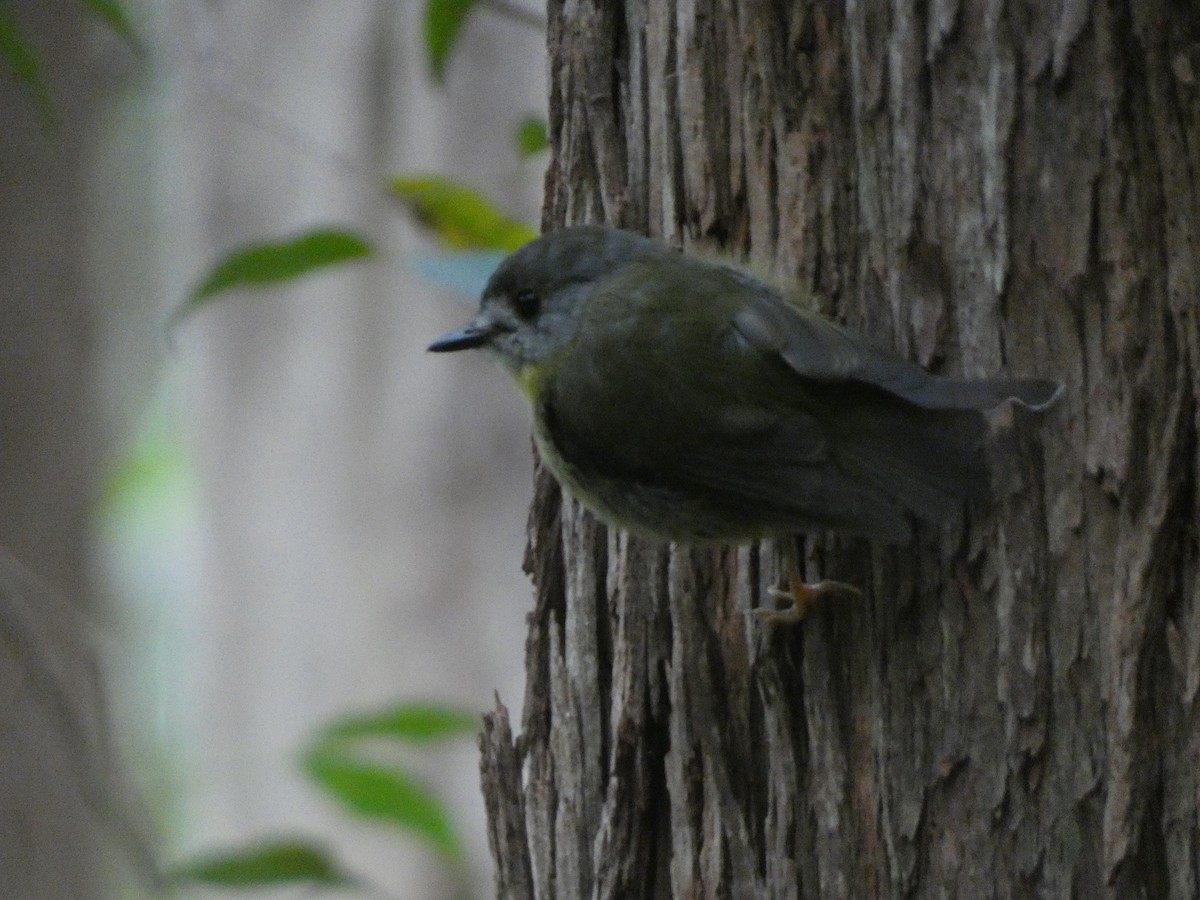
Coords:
pixel 801 599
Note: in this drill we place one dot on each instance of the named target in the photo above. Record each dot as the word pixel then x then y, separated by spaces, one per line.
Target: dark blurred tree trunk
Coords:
pixel 54 767
pixel 1013 710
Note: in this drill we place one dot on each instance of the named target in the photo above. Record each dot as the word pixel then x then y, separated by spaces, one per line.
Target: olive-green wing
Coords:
pixel 820 349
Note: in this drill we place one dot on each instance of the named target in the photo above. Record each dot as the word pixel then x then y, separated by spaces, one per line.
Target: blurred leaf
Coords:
pixel 443 22
pixel 383 793
pixel 153 462
pixel 459 215
pixel 269 863
pixel 417 723
pixel 272 262
pixel 531 136
pixel 114 15
pixel 23 62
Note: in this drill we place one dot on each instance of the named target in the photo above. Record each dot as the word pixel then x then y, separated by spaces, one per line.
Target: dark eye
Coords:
pixel 526 304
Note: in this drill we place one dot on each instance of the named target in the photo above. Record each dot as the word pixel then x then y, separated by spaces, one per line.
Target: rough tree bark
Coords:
pixel 1012 710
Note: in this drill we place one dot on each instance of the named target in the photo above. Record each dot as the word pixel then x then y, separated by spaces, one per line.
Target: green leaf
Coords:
pixel 443 22
pixel 415 723
pixel 23 62
pixel 155 461
pixel 114 16
pixel 460 216
pixel 383 793
pixel 531 136
pixel 276 862
pixel 271 262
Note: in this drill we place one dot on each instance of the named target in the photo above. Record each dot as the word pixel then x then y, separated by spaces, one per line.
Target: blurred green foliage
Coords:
pixel 23 62
pixel 281 861
pixel 443 22
pixel 113 14
pixel 531 136
pixel 460 216
pixel 343 760
pixel 271 262
pixel 413 723
pixel 386 794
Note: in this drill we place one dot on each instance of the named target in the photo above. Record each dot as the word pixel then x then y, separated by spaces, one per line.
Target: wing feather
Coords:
pixel 817 348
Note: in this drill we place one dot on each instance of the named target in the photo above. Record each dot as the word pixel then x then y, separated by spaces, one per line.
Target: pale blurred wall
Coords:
pixel 361 503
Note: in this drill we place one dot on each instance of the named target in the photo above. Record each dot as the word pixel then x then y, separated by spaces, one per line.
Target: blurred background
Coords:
pixel 252 545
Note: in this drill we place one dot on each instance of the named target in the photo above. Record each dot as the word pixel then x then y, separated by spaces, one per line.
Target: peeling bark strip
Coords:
pixel 1014 710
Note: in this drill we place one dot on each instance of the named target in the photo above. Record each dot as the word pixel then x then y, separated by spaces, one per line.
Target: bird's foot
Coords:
pixel 801 598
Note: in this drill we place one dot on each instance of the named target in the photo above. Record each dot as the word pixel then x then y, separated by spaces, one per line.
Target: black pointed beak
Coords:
pixel 474 335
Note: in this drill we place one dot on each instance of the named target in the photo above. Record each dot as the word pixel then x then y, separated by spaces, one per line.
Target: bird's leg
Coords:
pixel 801 594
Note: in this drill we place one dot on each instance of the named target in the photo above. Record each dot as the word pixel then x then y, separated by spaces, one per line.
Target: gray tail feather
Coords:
pixel 985 393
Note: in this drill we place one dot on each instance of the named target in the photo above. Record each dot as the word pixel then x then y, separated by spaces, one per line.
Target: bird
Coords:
pixel 684 398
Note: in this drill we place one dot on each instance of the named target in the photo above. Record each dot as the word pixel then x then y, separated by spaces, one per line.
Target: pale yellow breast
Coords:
pixel 530 379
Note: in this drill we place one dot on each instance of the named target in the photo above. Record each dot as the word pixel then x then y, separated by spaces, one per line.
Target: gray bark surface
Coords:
pixel 1012 711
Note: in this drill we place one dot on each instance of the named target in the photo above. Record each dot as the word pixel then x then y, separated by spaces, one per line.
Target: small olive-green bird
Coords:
pixel 686 400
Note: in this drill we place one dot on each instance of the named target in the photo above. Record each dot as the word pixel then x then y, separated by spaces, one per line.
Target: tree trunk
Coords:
pixel 1012 710
pixel 59 791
